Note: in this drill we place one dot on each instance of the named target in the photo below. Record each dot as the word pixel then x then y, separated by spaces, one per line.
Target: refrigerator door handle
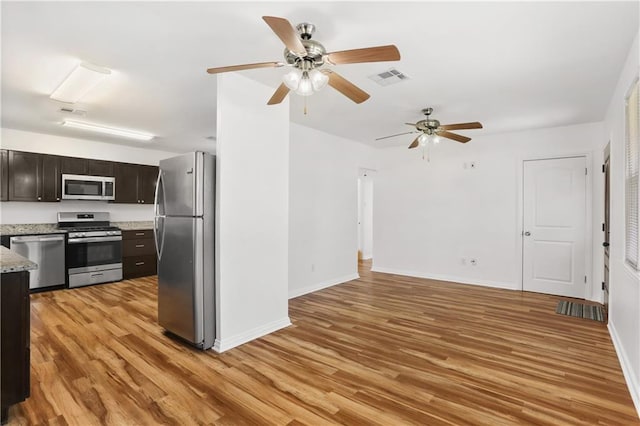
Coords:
pixel 156 230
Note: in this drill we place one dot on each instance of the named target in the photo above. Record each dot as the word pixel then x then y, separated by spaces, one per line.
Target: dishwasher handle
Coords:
pixel 37 238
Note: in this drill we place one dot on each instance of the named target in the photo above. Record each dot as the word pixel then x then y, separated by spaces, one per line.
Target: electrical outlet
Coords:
pixel 473 262
pixel 472 165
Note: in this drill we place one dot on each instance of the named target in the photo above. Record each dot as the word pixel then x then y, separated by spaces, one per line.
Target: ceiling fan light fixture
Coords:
pixel 305 88
pixel 423 139
pixel 318 79
pixel 292 79
pixel 435 138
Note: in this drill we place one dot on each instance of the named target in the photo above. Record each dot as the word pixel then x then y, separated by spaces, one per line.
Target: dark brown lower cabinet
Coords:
pixel 138 254
pixel 14 340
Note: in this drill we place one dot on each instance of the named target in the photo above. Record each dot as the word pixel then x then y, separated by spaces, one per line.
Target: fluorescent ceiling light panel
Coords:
pixel 108 130
pixel 81 80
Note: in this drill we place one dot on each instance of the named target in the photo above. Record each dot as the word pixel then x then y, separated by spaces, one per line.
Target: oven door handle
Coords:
pixel 94 240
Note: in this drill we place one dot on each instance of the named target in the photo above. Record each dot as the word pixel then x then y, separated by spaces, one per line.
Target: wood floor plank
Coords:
pixel 383 349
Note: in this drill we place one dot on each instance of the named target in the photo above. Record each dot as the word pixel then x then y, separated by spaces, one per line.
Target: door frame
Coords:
pixel 588 241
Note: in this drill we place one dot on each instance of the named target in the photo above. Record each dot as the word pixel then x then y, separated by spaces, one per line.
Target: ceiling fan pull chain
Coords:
pixel 305 105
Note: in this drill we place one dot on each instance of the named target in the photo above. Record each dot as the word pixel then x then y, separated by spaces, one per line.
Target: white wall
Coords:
pixel 624 309
pixel 252 238
pixel 323 212
pixel 430 215
pixel 20 212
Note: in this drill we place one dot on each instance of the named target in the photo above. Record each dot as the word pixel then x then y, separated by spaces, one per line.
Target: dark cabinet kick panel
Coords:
pixel 29 176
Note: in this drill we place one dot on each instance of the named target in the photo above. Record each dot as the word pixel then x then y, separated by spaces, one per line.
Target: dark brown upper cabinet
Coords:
pixel 25 176
pixel 51 178
pixel 4 175
pixel 135 183
pixel 100 168
pixel 34 177
pixel 126 182
pixel 74 166
pixel 147 178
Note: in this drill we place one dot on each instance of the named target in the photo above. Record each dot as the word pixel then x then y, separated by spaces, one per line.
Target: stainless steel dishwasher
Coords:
pixel 47 251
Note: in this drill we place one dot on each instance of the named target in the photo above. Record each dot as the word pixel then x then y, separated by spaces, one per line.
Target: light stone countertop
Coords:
pixel 134 226
pixel 31 229
pixel 10 261
pixel 52 228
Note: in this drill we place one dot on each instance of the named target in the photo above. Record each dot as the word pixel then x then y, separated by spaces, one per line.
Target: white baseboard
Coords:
pixel 324 284
pixel 449 278
pixel 224 344
pixel 627 370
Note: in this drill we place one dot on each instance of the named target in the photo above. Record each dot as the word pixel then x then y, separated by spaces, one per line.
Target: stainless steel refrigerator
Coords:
pixel 184 232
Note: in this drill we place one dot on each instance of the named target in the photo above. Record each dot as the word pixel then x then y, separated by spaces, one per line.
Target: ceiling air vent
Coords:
pixel 73 111
pixel 391 76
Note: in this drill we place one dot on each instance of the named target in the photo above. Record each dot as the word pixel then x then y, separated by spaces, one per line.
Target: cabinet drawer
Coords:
pixel 138 266
pixel 138 247
pixel 137 235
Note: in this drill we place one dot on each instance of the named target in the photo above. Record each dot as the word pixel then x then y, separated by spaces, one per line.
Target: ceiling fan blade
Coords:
pixel 287 34
pixel 368 54
pixel 461 126
pixel 454 136
pixel 244 67
pixel 393 136
pixel 346 87
pixel 415 143
pixel 278 96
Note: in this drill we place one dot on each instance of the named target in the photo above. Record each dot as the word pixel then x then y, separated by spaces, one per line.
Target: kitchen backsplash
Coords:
pixel 29 212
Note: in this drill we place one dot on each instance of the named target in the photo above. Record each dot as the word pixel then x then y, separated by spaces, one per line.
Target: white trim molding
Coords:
pixel 221 345
pixel 321 285
pixel 627 370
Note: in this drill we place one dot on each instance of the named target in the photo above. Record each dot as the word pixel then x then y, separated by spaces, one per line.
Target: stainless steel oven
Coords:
pixel 94 248
pixel 81 187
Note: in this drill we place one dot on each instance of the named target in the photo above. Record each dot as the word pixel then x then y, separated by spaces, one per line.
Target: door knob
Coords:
pixel 605 244
pixel 527 233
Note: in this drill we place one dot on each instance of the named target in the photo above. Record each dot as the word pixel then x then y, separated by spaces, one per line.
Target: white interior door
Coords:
pixel 554 220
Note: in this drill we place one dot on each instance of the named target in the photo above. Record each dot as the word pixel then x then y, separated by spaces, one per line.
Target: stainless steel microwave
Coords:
pixel 80 187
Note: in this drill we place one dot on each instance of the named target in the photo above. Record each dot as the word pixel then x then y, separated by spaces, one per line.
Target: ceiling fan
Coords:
pixel 431 130
pixel 307 56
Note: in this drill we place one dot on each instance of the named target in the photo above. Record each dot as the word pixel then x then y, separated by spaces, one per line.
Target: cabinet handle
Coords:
pixel 139 233
pixel 39 198
pixel 139 263
pixel 57 198
pixel 139 245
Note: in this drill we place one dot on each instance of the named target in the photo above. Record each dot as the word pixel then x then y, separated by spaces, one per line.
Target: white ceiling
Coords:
pixel 510 65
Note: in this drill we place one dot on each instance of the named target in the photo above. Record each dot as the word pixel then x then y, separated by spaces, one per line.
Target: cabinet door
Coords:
pixel 100 168
pixel 51 178
pixel 126 182
pixel 74 166
pixel 4 175
pixel 25 180
pixel 147 178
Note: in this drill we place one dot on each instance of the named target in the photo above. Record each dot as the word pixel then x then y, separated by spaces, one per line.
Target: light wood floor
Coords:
pixel 383 349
